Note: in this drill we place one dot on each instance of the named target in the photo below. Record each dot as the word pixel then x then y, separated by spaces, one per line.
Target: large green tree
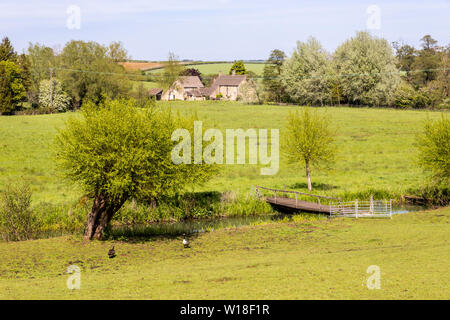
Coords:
pixel 426 62
pixel 42 59
pixel 12 90
pixel 309 140
pixel 307 74
pixel 115 152
pixel 367 70
pixel 273 86
pixel 238 67
pixel 89 72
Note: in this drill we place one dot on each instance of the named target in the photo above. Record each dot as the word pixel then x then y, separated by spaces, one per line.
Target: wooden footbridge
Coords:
pixel 334 207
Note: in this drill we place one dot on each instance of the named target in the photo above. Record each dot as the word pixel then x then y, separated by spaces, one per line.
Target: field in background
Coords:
pixel 214 68
pixel 299 259
pixel 376 151
pixel 133 66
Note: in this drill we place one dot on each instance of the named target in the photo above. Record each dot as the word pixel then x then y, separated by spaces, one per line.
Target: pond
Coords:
pixel 208 225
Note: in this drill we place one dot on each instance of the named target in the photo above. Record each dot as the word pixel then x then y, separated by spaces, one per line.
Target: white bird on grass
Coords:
pixel 185 241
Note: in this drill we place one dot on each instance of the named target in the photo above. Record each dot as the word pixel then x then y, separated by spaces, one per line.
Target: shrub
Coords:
pixel 407 97
pixel 434 149
pixel 17 221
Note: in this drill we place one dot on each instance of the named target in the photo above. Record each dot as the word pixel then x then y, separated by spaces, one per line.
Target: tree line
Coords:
pixel 45 80
pixel 364 70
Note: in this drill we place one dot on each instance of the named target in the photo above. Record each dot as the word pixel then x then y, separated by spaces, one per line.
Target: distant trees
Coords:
pixel 12 90
pixel 191 72
pixel 306 74
pixel 7 52
pixel 274 89
pixel 309 140
pixel 53 97
pixel 238 67
pixel 89 72
pixel 362 71
pixel 42 59
pixel 434 149
pixel 116 152
pixel 14 78
pixel 427 73
pixel 370 76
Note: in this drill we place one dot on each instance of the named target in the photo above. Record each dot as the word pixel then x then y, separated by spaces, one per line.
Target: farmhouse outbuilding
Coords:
pixel 155 92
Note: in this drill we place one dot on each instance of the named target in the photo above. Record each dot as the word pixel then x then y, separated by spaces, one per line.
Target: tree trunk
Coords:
pixel 101 214
pixel 308 176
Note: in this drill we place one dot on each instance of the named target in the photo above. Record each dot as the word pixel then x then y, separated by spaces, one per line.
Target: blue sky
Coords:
pixel 218 29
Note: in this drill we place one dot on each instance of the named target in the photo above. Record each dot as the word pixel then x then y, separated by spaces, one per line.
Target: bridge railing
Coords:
pixel 360 209
pixel 296 193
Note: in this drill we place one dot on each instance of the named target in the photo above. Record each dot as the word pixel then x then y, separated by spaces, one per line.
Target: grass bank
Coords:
pixel 298 259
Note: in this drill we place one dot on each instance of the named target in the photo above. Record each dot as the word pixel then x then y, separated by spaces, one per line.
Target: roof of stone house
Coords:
pixel 230 80
pixel 191 82
pixel 154 91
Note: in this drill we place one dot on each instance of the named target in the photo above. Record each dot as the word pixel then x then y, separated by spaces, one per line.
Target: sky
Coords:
pixel 218 30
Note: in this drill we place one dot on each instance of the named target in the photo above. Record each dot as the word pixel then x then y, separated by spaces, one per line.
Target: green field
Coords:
pixel 376 153
pixel 299 259
pixel 304 257
pixel 214 68
pixel 146 84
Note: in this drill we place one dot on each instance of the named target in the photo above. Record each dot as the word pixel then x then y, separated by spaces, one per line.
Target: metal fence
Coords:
pixel 361 209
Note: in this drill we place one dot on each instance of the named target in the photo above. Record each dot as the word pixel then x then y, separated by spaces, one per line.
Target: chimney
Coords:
pixel 220 73
pixel 234 72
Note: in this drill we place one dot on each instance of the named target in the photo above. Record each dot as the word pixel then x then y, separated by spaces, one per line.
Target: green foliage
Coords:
pixel 41 59
pixel 368 69
pixel 306 74
pixel 17 221
pixel 12 90
pixel 119 151
pixel 407 97
pixel 142 96
pixel 434 148
pixel 53 99
pixel 88 72
pixel 238 67
pixel 191 72
pixel 434 194
pixel 117 52
pixel 273 87
pixel 427 60
pixel 7 52
pixel 309 140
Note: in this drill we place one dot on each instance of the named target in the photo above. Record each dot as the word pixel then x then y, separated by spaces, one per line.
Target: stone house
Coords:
pixel 229 86
pixel 185 88
pixel 191 88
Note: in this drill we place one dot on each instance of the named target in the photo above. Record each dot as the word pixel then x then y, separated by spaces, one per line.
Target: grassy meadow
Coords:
pixel 376 153
pixel 301 258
